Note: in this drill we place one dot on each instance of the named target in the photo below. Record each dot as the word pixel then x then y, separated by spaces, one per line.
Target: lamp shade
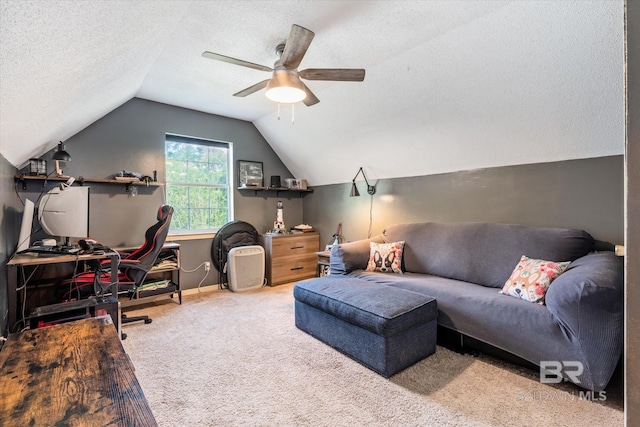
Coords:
pixel 61 154
pixel 354 190
pixel 285 87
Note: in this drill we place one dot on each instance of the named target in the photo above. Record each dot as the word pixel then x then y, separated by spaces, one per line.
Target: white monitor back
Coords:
pixel 24 239
pixel 64 212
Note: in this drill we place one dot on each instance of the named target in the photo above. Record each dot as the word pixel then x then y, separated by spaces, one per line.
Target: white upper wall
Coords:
pixel 449 85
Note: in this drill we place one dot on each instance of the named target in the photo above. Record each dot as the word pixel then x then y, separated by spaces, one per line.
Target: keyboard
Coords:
pixel 54 250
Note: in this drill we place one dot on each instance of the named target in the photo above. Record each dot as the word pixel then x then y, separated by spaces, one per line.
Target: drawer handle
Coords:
pixel 297 268
pixel 297 247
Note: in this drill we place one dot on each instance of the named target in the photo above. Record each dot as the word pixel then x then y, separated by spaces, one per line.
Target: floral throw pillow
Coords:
pixel 531 278
pixel 386 257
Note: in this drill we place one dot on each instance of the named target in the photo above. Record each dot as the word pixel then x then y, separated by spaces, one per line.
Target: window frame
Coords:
pixel 203 233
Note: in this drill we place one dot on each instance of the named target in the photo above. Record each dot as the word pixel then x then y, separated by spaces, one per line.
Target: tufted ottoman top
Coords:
pixel 383 310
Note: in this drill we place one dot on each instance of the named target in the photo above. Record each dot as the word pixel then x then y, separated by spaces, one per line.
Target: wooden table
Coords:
pixel 323 263
pixel 73 374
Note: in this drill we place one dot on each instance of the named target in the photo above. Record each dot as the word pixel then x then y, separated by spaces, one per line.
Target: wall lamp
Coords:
pixel 60 156
pixel 354 189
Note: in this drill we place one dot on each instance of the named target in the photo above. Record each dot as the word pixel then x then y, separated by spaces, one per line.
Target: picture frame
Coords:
pixel 250 174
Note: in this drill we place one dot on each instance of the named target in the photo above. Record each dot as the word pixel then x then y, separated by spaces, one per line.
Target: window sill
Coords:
pixel 195 236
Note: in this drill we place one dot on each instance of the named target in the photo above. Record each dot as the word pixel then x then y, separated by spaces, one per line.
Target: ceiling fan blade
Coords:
pixel 296 46
pixel 235 61
pixel 335 74
pixel 310 99
pixel 251 89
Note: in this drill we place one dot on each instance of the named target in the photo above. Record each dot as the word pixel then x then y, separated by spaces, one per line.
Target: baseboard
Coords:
pixel 202 289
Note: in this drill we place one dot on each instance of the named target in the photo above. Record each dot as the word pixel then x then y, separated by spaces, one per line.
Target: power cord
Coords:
pixel 207 269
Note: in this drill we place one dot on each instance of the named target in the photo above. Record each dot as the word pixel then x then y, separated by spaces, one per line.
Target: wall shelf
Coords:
pixel 277 190
pixel 81 180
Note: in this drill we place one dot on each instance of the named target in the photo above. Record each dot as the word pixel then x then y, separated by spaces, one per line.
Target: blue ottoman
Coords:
pixel 386 329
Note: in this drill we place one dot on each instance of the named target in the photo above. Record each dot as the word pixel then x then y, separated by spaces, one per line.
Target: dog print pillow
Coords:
pixel 531 279
pixel 386 257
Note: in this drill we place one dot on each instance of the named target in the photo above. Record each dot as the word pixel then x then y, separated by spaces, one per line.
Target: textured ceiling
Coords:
pixel 449 86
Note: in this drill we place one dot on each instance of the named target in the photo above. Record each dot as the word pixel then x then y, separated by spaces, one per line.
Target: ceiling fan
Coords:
pixel 285 85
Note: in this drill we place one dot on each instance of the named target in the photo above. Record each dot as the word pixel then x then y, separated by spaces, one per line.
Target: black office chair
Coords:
pixel 133 267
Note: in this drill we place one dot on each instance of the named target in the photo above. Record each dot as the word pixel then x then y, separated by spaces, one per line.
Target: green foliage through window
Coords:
pixel 198 179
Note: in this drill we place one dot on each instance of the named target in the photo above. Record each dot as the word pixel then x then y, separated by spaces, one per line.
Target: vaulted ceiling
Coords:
pixel 450 85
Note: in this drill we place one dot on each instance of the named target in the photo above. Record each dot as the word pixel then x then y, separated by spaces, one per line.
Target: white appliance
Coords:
pixel 245 268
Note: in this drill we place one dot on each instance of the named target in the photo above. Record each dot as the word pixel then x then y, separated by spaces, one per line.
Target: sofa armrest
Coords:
pixel 347 257
pixel 587 300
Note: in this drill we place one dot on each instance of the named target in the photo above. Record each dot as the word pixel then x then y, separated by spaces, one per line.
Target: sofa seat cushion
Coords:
pixel 480 312
pixel 383 310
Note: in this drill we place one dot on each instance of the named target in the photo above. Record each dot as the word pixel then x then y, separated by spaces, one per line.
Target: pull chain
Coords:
pixel 293 113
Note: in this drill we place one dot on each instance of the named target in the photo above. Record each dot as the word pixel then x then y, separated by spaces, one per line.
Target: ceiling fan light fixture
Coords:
pixel 285 87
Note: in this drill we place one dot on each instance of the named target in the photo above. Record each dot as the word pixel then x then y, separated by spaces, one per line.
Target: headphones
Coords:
pixel 89 245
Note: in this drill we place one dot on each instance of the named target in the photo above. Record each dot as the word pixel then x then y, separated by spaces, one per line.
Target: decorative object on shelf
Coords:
pixel 60 156
pixel 275 181
pixel 371 189
pixel 37 167
pixel 127 176
pixel 278 224
pixel 250 174
pixel 296 184
pixel 303 228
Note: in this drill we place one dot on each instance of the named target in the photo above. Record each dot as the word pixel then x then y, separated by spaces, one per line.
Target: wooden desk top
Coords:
pixel 27 259
pixel 35 259
pixel 74 374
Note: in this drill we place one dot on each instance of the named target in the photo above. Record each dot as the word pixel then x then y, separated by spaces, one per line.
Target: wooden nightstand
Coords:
pixel 323 262
pixel 290 257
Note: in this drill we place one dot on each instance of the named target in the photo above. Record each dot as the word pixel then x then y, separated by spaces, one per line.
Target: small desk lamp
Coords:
pixel 60 156
pixel 354 189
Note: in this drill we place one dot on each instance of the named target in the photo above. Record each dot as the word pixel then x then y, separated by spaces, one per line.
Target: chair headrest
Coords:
pixel 164 211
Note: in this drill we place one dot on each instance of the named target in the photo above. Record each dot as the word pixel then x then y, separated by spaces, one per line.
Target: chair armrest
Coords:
pixel 131 263
pixel 347 257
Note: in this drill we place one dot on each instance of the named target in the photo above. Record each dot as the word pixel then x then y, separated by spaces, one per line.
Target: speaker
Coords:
pixel 275 181
pixel 245 268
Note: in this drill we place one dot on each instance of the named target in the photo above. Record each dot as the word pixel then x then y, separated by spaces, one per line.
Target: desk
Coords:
pixel 21 265
pixel 28 261
pixel 76 373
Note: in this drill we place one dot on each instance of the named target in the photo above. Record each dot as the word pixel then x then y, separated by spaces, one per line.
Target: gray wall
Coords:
pixel 632 349
pixel 10 217
pixel 587 194
pixel 132 137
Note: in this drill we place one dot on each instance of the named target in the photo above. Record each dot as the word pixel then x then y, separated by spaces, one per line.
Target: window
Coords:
pixel 198 175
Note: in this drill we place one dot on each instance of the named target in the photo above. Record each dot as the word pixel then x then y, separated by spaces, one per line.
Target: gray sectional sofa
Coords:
pixel 464 265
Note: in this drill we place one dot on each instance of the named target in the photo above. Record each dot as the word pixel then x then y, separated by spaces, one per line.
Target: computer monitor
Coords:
pixel 64 212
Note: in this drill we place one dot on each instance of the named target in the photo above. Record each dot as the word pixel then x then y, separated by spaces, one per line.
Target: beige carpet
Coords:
pixel 237 359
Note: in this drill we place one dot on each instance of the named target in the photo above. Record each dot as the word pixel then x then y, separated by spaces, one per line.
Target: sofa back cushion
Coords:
pixel 483 253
